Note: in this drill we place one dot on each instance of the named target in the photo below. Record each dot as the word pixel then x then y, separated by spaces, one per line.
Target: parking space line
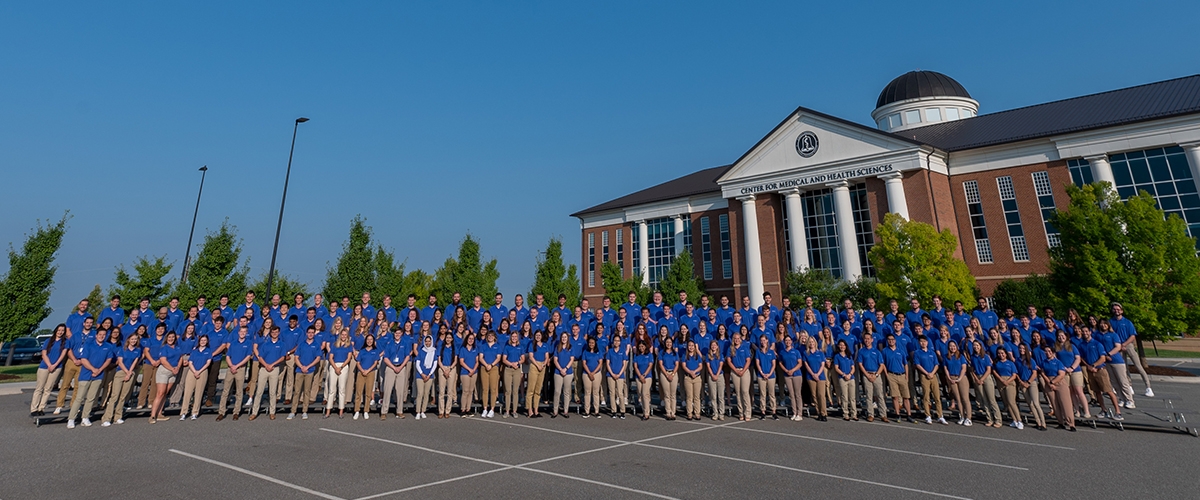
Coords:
pixel 504 466
pixel 971 436
pixel 251 473
pixel 805 471
pixel 873 447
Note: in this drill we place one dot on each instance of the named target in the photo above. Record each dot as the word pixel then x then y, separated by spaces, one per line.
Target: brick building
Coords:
pixel 792 200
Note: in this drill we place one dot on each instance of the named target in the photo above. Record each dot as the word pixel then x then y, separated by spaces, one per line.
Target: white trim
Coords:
pixel 1003 156
pixel 897 161
pixel 656 210
pixel 1133 137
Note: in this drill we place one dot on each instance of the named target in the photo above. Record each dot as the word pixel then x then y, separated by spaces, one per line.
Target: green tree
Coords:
pixel 284 285
pixel 682 276
pixel 1127 252
pixel 617 287
pixel 354 272
pixel 25 290
pixel 861 289
pixel 552 277
pixel 146 282
pixel 467 274
pixel 217 269
pixel 393 279
pixel 96 302
pixel 1035 289
pixel 914 260
pixel 820 284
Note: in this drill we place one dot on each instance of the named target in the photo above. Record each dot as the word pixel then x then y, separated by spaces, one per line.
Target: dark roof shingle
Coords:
pixel 702 182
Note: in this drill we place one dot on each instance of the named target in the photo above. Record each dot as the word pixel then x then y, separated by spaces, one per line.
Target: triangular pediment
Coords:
pixel 812 139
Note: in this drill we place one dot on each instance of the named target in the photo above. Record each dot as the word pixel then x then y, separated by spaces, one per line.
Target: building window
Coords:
pixel 1045 195
pixel 1164 173
pixel 820 227
pixel 951 114
pixel 604 245
pixel 706 249
pixel 863 231
pixel 787 240
pixel 621 251
pixel 661 245
pixel 912 116
pixel 933 115
pixel 591 259
pixel 983 248
pixel 637 251
pixel 687 235
pixel 967 113
pixel 1012 219
pixel 726 250
pixel 1081 172
pixel 894 120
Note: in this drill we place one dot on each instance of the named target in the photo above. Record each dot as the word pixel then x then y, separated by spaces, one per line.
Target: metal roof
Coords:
pixel 1152 101
pixel 915 84
pixel 702 182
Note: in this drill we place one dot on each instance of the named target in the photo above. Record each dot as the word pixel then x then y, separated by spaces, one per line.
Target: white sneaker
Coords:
pixel 1149 392
pixel 961 420
pixel 291 416
pixel 303 416
pixel 86 423
pixel 929 420
pixel 1130 405
pixel 58 410
pixel 105 424
pixel 194 416
pixel 943 421
pixel 420 415
pixel 356 415
pixel 182 418
pixel 1013 424
pixel 967 422
pixel 70 424
pixel 1020 426
pixel 120 421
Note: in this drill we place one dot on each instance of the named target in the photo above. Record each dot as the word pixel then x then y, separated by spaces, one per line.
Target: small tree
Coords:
pixel 1035 289
pixel 551 277
pixel 820 284
pixel 1127 252
pixel 25 290
pixel 218 269
pixel 467 274
pixel 96 302
pixel 914 260
pixel 284 285
pixel 147 281
pixel 617 287
pixel 354 272
pixel 681 276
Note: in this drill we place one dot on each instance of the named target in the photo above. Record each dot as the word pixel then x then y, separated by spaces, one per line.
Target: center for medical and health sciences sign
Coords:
pixel 840 175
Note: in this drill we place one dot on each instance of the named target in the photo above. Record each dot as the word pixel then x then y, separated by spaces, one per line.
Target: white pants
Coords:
pixel 335 385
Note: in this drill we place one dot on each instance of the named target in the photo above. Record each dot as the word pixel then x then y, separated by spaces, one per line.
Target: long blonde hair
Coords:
pixel 343 339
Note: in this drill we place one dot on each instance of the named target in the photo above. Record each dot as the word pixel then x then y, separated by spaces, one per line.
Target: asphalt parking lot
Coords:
pixel 595 458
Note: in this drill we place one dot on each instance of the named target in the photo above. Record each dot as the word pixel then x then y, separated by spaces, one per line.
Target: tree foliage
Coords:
pixel 147 281
pixel 218 269
pixel 96 302
pixel 467 274
pixel 1035 289
pixel 25 290
pixel 552 277
pixel 859 290
pixel 681 276
pixel 914 260
pixel 617 287
pixel 393 279
pixel 820 284
pixel 354 271
pixel 284 285
pixel 1127 252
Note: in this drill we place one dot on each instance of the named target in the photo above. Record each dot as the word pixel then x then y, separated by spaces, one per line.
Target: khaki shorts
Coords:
pixel 163 376
pixel 1100 382
pixel 1077 379
pixel 898 385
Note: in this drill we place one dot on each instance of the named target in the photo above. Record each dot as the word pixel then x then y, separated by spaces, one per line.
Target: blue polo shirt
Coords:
pixel 1123 327
pixel 591 360
pixel 843 363
pixel 1005 368
pixel 955 366
pixel 469 358
pixel 271 351
pixel 1067 358
pixel 739 357
pixel 368 359
pixel 306 353
pixel 790 358
pixel 564 357
pixel 669 360
pixel 927 359
pixel 130 357
pixel 238 351
pixel 616 358
pixel 340 354
pixel 814 361
pixel 75 321
pixel 198 358
pixel 540 354
pixel 513 353
pixel 54 353
pixel 1110 342
pixel 96 354
pixel 1093 351
pixel 172 354
pixel 895 360
pixel 987 319
pixel 980 364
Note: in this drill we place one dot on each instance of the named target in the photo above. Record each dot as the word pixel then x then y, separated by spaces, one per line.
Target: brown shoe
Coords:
pixel 287 402
pixel 252 417
pixel 271 416
pixel 885 419
pixel 871 418
pixel 208 402
pixel 220 418
pixel 235 416
pixel 382 416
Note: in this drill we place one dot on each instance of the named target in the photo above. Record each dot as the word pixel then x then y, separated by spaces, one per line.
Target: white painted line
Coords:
pixel 503 466
pixel 804 471
pixel 873 447
pixel 971 436
pixel 257 475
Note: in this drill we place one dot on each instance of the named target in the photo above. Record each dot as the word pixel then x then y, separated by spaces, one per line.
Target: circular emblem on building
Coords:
pixel 807 144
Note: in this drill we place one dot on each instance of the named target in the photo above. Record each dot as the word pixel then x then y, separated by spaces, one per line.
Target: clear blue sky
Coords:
pixel 497 118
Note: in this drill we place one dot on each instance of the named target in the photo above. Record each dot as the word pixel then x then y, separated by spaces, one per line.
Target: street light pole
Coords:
pixel 279 225
pixel 188 253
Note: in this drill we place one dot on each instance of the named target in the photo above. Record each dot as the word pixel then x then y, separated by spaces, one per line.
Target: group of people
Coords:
pixel 710 360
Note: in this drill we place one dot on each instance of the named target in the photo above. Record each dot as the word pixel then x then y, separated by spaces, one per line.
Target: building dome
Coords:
pixel 919 98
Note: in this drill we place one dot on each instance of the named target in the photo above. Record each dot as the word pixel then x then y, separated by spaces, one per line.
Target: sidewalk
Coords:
pixel 1190 344
pixel 16 387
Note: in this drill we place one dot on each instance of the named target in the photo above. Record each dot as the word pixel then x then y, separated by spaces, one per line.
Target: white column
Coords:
pixel 678 234
pixel 644 251
pixel 796 235
pixel 1193 156
pixel 754 272
pixel 847 238
pixel 1101 170
pixel 897 203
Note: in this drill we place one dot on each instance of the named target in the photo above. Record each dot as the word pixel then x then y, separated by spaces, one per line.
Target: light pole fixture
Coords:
pixel 282 202
pixel 188 253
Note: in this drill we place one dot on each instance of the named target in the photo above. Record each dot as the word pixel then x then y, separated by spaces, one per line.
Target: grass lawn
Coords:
pixel 1171 353
pixel 18 373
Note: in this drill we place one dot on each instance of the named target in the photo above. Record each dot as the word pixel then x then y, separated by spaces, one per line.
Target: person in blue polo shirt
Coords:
pixel 489 373
pixel 238 350
pixel 985 384
pixel 738 358
pixel 616 363
pixel 816 376
pixel 925 360
pixel 195 376
pixel 308 356
pixel 1095 359
pixel 270 354
pixel 1055 378
pixel 126 360
pixel 843 373
pixel 791 365
pixel 447 375
pixel 97 356
pixel 955 364
pixel 468 362
pixel 54 356
pixel 564 372
pixel 692 368
pixel 668 377
pixel 367 362
pixel 643 370
pixel 895 361
pixel 870 364
pixel 592 360
pixel 169 354
pixel 512 354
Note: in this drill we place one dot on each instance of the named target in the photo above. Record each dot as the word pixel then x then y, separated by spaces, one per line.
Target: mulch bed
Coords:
pixel 1162 370
pixel 5 376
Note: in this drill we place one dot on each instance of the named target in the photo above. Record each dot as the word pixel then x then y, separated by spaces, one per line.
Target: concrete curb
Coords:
pixel 1177 380
pixel 16 387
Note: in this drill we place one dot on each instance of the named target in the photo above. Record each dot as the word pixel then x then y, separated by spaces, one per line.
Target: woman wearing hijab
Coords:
pixel 427 366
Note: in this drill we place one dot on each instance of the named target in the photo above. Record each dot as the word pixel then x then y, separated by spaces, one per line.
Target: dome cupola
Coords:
pixel 919 98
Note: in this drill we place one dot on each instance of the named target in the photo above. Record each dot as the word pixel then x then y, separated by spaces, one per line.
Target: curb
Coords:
pixel 12 388
pixel 1175 380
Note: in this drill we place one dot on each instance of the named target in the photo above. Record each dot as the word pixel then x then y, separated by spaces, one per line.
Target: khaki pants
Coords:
pixel 667 388
pixel 232 380
pixel 70 378
pixel 253 366
pixel 848 397
pixel 1120 375
pixel 214 376
pixel 395 384
pixel 741 391
pixel 85 397
pixel 562 392
pixel 716 394
pixel 512 384
pixel 533 394
pixel 303 384
pixel 364 389
pixel 489 390
pixel 644 396
pixel 817 388
pixel 193 391
pixel 1010 401
pixel 794 386
pixel 424 388
pixel 931 388
pixel 618 395
pixel 115 408
pixel 147 386
pixel 318 381
pixel 446 390
pixel 268 381
pixel 692 387
pixel 1035 406
pixel 45 383
pixel 1132 359
pixel 766 395
pixel 466 403
pixel 985 393
pixel 335 386
pixel 873 389
pixel 289 376
pixel 960 391
pixel 175 392
pixel 1061 401
pixel 591 393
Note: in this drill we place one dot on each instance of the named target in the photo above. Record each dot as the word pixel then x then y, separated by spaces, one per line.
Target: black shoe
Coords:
pixel 564 415
pixel 536 415
pixel 774 417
